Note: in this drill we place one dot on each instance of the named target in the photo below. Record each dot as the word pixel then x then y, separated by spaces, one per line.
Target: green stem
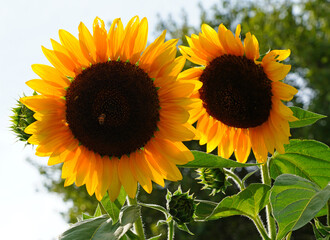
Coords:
pixel 261 229
pixel 236 179
pixel 170 235
pixel 288 237
pixel 138 226
pixel 328 213
pixel 270 220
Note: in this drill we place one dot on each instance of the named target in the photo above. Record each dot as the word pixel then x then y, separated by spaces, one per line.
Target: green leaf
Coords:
pixel 84 230
pixel 204 209
pixel 305 117
pixel 295 201
pixel 248 202
pixel 208 160
pixel 113 208
pixel 306 158
pixel 98 211
pixel 102 227
pixel 129 214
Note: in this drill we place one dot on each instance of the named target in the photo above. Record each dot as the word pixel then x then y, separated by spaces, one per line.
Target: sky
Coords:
pixel 25 26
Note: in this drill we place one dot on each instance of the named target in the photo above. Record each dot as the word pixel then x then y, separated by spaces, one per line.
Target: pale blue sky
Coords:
pixel 24 27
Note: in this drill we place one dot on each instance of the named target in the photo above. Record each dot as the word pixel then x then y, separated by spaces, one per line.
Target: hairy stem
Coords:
pixel 236 178
pixel 261 229
pixel 270 220
pixel 170 235
pixel 328 213
pixel 138 226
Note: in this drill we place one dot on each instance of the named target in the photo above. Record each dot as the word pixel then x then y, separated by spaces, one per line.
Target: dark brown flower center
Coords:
pixel 236 91
pixel 112 108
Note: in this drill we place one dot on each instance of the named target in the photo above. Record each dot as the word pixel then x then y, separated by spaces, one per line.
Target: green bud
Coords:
pixel 213 179
pixel 21 118
pixel 181 206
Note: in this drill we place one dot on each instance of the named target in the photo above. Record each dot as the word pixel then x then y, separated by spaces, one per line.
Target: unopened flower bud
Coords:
pixel 21 118
pixel 213 179
pixel 181 206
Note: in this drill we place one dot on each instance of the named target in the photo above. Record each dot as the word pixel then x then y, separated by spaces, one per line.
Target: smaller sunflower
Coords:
pixel 240 101
pixel 111 110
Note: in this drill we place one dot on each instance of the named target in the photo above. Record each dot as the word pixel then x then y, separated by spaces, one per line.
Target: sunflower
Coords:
pixel 111 110
pixel 240 102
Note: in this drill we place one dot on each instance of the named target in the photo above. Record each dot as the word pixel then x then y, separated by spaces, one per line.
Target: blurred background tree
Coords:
pixel 299 25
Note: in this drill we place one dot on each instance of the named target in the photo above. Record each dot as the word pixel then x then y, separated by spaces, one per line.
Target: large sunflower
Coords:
pixel 110 110
pixel 240 101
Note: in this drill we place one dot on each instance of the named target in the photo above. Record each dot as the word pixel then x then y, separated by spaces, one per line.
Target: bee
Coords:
pixel 101 118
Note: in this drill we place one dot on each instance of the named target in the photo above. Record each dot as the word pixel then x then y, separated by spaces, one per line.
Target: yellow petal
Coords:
pixel 43 104
pixel 243 146
pixel 86 43
pixel 73 46
pixel 152 171
pixel 46 87
pixel 283 91
pixel 215 136
pixel 222 37
pixel 100 40
pixel 126 177
pixel 234 47
pixel 167 168
pixel 258 145
pixel 115 184
pixel 139 172
pixel 141 41
pixel 55 61
pixel 251 47
pixel 83 166
pixel 226 146
pixel 115 39
pixel 50 74
pixel 277 71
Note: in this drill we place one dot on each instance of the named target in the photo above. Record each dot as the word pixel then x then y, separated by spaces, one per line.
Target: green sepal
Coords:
pixel 156 237
pixel 84 217
pixel 184 227
pixel 98 211
pixel 70 78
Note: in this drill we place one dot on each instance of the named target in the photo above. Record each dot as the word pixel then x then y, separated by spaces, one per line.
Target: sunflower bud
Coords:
pixel 21 118
pixel 213 179
pixel 181 206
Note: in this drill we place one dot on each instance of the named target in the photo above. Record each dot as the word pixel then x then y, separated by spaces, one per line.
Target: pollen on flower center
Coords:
pixel 112 108
pixel 236 91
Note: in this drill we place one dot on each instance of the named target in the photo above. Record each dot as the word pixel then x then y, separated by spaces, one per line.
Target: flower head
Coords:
pixel 22 117
pixel 181 206
pixel 213 179
pixel 111 110
pixel 240 96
